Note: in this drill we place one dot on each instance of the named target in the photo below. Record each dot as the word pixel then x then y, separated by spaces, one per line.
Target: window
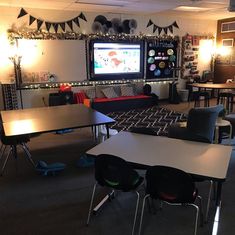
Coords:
pixel 228 27
pixel 227 42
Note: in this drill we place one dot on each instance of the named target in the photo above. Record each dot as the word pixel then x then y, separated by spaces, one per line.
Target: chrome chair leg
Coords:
pixel 196 219
pixel 200 210
pixel 91 204
pixel 2 151
pixel 142 213
pixel 6 160
pixel 29 157
pixel 136 211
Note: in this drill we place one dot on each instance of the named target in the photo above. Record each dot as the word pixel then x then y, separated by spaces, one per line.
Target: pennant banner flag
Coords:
pixel 165 30
pixel 55 25
pixel 39 24
pixel 175 24
pixel 81 16
pixel 76 21
pixel 170 28
pixel 48 26
pixel 70 24
pixel 149 23
pixel 154 28
pixel 22 13
pixel 31 19
pixel 62 25
pixel 160 29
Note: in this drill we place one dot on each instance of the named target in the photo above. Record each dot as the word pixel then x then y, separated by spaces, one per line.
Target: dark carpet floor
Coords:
pixel 35 204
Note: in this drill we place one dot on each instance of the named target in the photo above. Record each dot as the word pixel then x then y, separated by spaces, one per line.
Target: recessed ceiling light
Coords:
pixel 99 4
pixel 187 8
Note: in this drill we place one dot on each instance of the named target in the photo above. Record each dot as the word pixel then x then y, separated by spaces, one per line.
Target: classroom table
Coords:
pixel 214 85
pixel 52 118
pixel 30 121
pixel 201 159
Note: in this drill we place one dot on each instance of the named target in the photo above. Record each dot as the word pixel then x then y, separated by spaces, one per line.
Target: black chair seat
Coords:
pixel 196 95
pixel 172 186
pixel 115 173
pixel 226 98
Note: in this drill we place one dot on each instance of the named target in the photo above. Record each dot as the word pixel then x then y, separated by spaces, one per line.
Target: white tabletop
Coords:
pixel 209 160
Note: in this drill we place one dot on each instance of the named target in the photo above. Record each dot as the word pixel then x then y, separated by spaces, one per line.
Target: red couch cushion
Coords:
pixel 79 97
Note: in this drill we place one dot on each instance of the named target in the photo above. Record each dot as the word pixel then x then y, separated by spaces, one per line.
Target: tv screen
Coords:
pixel 116 60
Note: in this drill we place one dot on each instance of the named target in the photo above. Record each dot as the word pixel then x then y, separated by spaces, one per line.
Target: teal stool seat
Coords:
pixel 47 169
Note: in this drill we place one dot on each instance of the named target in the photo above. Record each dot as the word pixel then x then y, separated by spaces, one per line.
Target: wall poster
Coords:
pixel 161 59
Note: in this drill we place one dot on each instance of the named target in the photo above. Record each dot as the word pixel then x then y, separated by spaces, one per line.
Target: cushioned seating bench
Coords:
pixel 122 103
pixel 119 103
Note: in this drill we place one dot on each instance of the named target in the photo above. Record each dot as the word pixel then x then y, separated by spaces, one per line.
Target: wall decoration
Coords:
pixel 114 26
pixel 161 29
pixel 55 25
pixel 190 61
pixel 162 59
pixel 25 33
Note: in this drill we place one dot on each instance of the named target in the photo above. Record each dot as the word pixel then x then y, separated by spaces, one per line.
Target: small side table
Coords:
pixel 222 123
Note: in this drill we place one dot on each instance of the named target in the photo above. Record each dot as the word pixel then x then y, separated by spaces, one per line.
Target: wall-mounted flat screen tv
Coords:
pixel 116 60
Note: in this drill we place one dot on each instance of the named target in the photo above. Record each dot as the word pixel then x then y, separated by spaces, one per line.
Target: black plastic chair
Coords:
pixel 226 98
pixel 143 130
pixel 13 142
pixel 196 96
pixel 172 186
pixel 115 173
pixel 200 127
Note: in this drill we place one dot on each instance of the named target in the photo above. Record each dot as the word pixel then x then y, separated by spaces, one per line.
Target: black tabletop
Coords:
pixel 47 119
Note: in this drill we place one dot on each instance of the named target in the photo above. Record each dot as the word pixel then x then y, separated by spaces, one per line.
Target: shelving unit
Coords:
pixel 9 96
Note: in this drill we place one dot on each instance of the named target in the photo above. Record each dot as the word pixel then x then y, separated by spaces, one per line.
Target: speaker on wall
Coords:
pixel 66 97
pixel 61 98
pixel 231 6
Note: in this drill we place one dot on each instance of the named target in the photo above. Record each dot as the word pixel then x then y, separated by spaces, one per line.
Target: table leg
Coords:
pixel 218 208
pixel 107 128
pixel 216 135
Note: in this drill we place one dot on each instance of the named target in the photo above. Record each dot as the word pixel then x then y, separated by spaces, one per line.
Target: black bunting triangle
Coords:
pixel 70 24
pixel 22 13
pixel 154 28
pixel 165 30
pixel 55 26
pixel 62 25
pixel 175 24
pixel 39 24
pixel 76 21
pixel 170 28
pixel 81 16
pixel 159 30
pixel 149 23
pixel 48 26
pixel 31 19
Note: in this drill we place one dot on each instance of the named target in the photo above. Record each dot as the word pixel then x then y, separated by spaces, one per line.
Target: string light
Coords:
pixel 45 35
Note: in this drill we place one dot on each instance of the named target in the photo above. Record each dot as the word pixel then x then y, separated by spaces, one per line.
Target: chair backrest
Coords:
pixel 201 121
pixel 115 172
pixel 170 184
pixel 143 130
